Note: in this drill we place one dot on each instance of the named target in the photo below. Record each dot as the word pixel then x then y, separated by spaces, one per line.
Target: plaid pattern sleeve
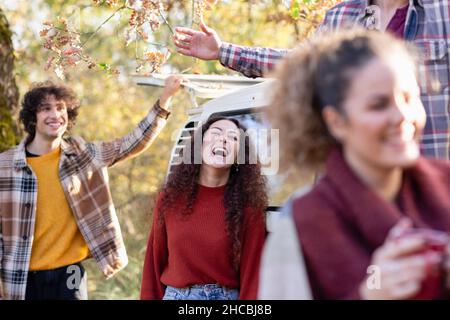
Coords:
pixel 137 141
pixel 251 62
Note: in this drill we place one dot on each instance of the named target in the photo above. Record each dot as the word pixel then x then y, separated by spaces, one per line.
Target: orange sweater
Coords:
pixel 184 252
pixel 57 239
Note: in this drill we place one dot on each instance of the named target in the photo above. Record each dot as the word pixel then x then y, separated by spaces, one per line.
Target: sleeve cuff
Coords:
pixel 224 53
pixel 163 113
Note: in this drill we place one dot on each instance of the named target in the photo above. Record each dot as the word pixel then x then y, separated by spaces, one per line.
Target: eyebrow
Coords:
pixel 45 104
pixel 228 130
pixel 378 96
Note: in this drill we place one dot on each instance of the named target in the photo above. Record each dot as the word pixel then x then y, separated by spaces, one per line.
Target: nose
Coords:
pixel 54 112
pixel 222 139
pixel 400 111
pixel 399 114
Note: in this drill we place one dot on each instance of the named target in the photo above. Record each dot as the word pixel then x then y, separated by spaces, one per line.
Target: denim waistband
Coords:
pixel 206 288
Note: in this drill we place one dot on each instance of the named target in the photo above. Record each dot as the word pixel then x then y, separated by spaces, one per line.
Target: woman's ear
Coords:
pixel 335 122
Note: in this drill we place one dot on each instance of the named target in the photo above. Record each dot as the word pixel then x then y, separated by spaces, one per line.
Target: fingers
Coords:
pixel 182 38
pixel 184 51
pixel 401 278
pixel 179 80
pixel 402 247
pixel 171 86
pixel 404 269
pixel 413 275
pixel 205 28
pixel 400 228
pixel 185 31
pixel 183 42
pixel 398 244
pixel 174 80
pixel 405 290
pixel 182 45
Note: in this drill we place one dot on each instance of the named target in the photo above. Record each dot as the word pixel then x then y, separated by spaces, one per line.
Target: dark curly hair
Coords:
pixel 39 92
pixel 246 187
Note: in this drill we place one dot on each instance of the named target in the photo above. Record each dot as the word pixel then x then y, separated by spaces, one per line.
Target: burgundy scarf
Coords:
pixel 424 198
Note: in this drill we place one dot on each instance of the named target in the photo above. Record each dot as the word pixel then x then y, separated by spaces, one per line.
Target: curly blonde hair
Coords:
pixel 313 76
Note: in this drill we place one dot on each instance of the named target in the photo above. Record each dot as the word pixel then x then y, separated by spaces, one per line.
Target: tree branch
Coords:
pixel 102 24
pixel 165 21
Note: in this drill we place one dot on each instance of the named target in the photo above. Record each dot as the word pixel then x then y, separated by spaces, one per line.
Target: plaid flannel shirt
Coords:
pixel 84 178
pixel 427 25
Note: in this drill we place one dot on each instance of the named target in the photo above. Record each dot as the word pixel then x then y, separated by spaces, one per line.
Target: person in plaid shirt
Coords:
pixel 426 23
pixel 55 203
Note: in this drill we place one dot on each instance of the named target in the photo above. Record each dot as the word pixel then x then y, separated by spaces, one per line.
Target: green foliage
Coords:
pixel 8 88
pixel 8 136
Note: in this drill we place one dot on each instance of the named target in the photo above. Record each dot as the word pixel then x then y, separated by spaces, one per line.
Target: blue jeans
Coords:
pixel 201 292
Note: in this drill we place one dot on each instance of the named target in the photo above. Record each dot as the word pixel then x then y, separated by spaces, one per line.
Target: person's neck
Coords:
pixel 387 6
pixel 212 177
pixel 385 182
pixel 40 146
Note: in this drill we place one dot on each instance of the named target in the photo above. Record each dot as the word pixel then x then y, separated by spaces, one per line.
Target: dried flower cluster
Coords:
pixel 151 62
pixel 64 45
pixel 143 13
pixel 67 51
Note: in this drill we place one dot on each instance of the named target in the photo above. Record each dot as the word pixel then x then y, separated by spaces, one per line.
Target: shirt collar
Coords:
pixel 67 148
pixel 20 160
pixel 369 13
pixel 369 3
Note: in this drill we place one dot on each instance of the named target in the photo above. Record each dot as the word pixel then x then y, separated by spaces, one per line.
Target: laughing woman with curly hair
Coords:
pixel 208 224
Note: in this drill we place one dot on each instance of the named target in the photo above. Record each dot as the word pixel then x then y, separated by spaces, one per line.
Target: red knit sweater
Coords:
pixel 183 252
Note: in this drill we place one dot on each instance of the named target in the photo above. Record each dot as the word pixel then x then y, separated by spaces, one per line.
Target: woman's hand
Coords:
pixel 402 269
pixel 171 86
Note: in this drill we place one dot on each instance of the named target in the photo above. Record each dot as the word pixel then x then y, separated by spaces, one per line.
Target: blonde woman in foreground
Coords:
pixel 375 226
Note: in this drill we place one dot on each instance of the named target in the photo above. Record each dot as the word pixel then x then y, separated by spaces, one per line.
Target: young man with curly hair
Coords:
pixel 55 204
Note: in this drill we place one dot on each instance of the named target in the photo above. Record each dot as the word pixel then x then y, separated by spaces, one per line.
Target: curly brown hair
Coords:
pixel 316 75
pixel 39 92
pixel 245 188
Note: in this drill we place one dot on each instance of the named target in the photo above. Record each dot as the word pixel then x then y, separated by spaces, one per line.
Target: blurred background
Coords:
pixel 112 104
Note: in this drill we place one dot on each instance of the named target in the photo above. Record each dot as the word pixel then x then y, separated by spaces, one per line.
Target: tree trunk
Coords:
pixel 9 94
